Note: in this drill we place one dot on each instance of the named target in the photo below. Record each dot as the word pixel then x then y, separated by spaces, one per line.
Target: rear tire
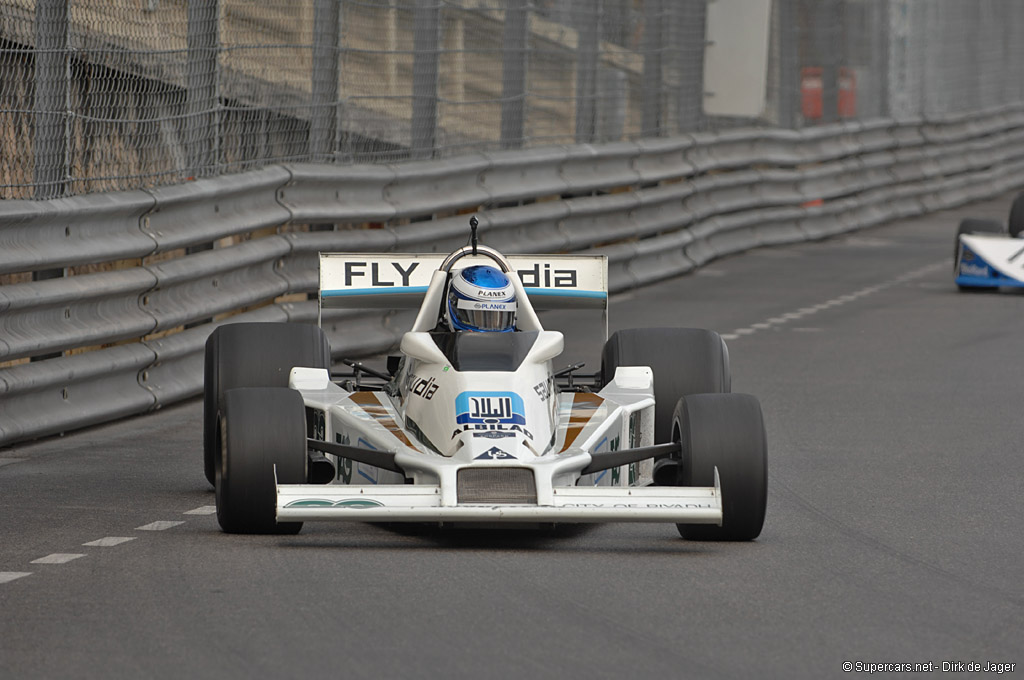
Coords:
pixel 1016 223
pixel 684 361
pixel 254 355
pixel 724 431
pixel 260 427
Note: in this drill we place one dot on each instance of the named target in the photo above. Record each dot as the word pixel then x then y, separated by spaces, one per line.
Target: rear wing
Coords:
pixel 387 280
pixel 400 281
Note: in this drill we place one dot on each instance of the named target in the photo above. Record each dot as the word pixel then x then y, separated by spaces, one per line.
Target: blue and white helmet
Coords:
pixel 481 298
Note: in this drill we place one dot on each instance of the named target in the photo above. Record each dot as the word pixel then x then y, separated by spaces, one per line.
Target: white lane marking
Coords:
pixel 158 526
pixel 110 541
pixel 202 510
pixel 829 304
pixel 57 558
pixel 8 576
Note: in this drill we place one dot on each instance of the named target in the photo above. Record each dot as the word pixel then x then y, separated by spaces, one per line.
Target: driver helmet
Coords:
pixel 481 298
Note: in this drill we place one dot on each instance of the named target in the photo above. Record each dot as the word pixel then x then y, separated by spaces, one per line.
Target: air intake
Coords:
pixel 497 485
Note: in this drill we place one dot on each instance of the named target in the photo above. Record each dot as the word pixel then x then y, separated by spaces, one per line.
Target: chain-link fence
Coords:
pixel 98 95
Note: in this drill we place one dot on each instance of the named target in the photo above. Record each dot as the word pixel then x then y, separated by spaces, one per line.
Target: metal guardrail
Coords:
pixel 132 334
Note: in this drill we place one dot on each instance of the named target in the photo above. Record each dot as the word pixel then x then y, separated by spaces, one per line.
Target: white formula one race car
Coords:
pixel 472 424
pixel 990 254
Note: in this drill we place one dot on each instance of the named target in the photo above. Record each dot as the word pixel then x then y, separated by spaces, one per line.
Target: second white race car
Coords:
pixel 990 254
pixel 479 427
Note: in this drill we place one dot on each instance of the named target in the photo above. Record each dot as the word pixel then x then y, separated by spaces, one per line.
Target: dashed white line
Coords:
pixel 105 542
pixel 202 510
pixel 57 558
pixel 8 576
pixel 829 304
pixel 110 541
pixel 158 526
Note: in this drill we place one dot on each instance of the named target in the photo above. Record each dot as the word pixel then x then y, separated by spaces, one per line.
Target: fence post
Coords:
pixel 586 18
pixel 691 32
pixel 323 123
pixel 831 50
pixel 513 75
pixel 884 44
pixel 652 87
pixel 202 93
pixel 52 80
pixel 52 93
pixel 426 37
pixel 789 63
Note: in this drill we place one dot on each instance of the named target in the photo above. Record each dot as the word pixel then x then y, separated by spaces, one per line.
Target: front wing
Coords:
pixel 990 261
pixel 569 504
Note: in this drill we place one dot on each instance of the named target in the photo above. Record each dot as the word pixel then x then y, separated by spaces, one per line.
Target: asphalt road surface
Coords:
pixel 894 529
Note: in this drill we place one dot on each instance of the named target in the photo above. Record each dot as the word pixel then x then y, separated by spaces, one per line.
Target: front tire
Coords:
pixel 724 431
pixel 254 355
pixel 684 361
pixel 260 428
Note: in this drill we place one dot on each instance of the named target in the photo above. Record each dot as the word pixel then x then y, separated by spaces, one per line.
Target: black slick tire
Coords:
pixel 254 355
pixel 260 428
pixel 724 431
pixel 1016 222
pixel 684 361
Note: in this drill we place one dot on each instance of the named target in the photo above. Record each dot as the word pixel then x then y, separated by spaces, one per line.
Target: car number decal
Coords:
pixel 489 408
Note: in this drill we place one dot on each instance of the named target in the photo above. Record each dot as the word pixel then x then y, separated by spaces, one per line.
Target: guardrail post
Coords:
pixel 652 46
pixel 426 37
pixel 587 19
pixel 202 91
pixel 323 124
pixel 52 89
pixel 513 75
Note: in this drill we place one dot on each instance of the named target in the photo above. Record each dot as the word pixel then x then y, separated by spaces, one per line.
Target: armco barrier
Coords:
pixel 151 273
